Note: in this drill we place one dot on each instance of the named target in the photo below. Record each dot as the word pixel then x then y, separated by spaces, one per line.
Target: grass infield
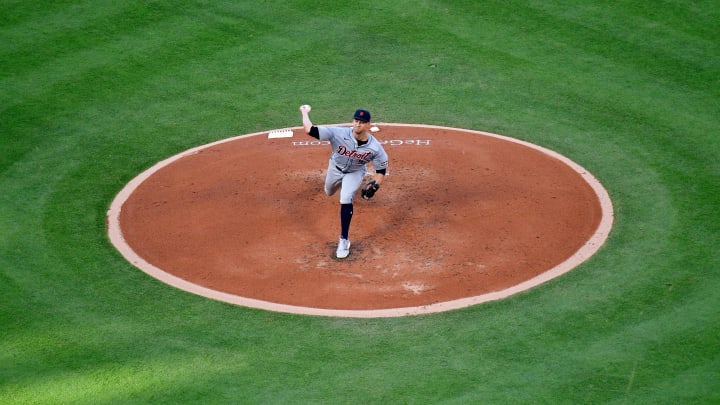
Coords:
pixel 94 92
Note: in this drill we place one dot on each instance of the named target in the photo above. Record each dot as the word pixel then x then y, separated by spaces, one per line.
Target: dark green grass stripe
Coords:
pixel 117 71
pixel 137 49
pixel 649 350
pixel 548 31
pixel 42 40
pixel 16 12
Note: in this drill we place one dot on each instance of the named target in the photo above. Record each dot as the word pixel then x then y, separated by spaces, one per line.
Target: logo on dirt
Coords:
pixel 393 142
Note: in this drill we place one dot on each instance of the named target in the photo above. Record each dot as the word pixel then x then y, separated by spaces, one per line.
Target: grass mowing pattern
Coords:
pixel 95 92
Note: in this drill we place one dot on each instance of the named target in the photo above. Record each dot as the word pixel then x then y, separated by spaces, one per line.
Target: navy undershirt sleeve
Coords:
pixel 314 132
pixel 381 171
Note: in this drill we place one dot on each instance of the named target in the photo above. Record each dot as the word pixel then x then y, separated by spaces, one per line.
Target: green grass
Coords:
pixel 94 92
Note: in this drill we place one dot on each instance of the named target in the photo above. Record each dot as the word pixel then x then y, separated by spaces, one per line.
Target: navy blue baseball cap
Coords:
pixel 362 115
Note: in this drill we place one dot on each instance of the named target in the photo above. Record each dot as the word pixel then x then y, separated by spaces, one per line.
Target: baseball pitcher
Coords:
pixel 353 147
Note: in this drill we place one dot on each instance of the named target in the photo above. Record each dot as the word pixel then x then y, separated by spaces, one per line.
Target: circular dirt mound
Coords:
pixel 463 217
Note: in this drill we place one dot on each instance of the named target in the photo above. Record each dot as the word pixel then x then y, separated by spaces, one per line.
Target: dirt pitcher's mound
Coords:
pixel 461 216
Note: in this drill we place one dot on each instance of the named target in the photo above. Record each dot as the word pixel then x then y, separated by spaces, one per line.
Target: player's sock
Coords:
pixel 346 212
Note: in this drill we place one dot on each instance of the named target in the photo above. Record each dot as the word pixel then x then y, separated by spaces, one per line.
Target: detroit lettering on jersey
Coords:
pixel 342 150
pixel 348 155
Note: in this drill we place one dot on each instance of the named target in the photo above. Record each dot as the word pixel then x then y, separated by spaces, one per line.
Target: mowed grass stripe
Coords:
pixel 87 75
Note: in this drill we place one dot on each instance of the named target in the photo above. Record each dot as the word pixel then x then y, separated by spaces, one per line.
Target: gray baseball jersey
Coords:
pixel 347 155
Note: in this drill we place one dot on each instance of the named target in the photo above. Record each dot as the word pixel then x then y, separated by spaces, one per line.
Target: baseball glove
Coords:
pixel 370 189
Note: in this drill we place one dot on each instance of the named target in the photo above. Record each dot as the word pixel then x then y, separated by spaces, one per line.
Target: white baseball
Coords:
pixel 305 107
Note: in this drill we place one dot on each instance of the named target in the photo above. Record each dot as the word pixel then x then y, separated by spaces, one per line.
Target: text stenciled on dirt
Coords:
pixel 392 142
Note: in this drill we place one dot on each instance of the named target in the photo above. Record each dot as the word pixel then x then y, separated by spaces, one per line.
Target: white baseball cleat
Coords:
pixel 343 249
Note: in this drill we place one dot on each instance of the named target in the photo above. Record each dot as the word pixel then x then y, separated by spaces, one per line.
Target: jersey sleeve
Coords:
pixel 380 160
pixel 326 133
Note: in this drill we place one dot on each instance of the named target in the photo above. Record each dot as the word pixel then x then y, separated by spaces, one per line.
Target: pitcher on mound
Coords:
pixel 353 148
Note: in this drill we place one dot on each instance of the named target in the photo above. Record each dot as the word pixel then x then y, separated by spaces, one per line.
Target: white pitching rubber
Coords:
pixel 280 133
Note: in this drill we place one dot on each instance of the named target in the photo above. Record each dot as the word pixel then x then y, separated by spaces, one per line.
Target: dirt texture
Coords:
pixel 460 215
